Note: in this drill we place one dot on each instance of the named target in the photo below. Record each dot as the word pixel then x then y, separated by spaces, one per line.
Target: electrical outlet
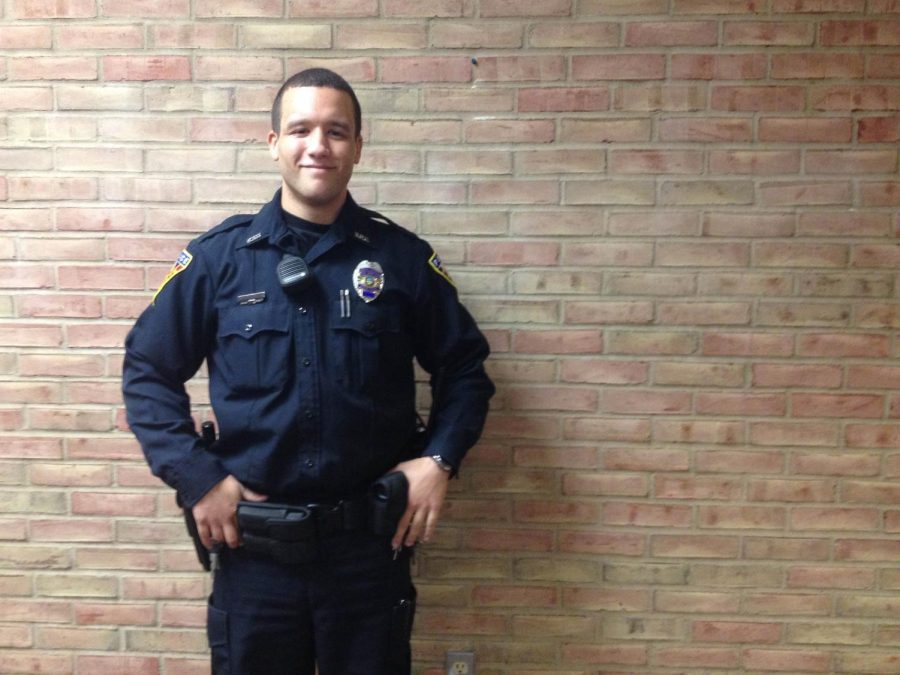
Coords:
pixel 460 663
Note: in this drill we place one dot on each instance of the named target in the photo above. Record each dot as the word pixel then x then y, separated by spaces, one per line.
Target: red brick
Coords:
pixel 758 99
pixel 229 68
pixel 164 9
pixel 426 8
pixel 113 664
pixel 597 543
pixel 333 8
pixel 801 491
pixel 835 519
pixel 694 546
pixel 672 34
pixel 846 464
pixel 795 660
pixel 573 99
pixel 40 9
pixel 796 376
pixel 710 130
pixel 193 35
pixel 520 69
pixel 560 35
pixel 400 69
pixel 508 540
pixel 860 33
pixel 818 6
pixel 657 161
pixel 525 8
pixel 654 96
pixel 647 515
pixel 837 405
pixel 846 345
pixel 879 129
pixel 26 68
pixel 705 487
pixel 26 37
pixel 697 657
pixel 724 7
pixel 768 33
pixel 718 66
pixel 883 66
pixel 238 8
pixel 736 631
pixel 514 596
pixel 620 67
pixel 79 37
pixel 605 484
pixel 146 68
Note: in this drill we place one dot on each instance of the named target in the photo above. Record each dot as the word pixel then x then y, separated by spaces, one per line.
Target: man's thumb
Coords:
pixel 251 496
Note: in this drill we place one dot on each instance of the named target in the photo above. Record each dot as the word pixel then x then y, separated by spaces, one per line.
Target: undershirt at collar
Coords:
pixel 306 233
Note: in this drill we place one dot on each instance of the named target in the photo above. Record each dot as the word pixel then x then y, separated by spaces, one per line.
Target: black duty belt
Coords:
pixel 291 534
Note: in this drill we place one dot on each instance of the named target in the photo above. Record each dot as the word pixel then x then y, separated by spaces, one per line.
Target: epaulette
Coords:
pixel 385 221
pixel 229 223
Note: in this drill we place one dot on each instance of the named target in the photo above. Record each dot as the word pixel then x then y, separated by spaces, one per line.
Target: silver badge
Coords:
pixel 368 280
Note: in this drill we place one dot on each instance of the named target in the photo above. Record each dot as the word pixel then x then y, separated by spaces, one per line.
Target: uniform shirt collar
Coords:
pixel 351 225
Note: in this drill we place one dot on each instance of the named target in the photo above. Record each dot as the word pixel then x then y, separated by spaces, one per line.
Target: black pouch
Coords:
pixel 284 533
pixel 387 497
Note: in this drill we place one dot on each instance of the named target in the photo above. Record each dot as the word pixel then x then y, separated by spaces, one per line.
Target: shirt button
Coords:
pixel 248 327
pixel 309 414
pixel 310 464
pixel 306 362
pixel 302 310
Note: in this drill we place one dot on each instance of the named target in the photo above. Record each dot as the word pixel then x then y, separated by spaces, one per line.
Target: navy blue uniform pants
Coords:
pixel 349 613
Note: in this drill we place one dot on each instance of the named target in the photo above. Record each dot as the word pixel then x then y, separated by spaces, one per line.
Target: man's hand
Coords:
pixel 216 512
pixel 427 488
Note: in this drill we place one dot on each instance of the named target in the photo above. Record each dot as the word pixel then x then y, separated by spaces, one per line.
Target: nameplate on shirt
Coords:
pixel 252 298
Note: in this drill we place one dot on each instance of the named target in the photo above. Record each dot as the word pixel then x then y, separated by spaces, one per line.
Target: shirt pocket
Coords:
pixel 366 343
pixel 254 345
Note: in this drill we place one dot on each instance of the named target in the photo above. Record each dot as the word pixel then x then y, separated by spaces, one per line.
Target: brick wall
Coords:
pixel 677 221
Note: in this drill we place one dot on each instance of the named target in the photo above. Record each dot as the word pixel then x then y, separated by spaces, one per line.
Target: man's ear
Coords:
pixel 359 145
pixel 272 140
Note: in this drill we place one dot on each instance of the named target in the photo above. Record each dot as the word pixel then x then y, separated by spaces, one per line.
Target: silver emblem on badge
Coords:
pixel 368 280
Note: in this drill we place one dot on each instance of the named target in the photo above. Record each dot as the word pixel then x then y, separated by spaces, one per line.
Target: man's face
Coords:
pixel 316 149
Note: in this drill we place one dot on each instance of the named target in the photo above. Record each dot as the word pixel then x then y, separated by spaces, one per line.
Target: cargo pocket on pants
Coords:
pixel 401 631
pixel 217 634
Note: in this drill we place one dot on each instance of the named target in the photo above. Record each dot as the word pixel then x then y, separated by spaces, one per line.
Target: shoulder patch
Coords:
pixel 434 262
pixel 181 264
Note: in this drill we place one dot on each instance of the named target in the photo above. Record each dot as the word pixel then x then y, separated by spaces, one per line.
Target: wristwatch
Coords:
pixel 443 463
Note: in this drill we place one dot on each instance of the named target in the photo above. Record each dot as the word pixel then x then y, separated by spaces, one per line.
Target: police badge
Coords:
pixel 368 280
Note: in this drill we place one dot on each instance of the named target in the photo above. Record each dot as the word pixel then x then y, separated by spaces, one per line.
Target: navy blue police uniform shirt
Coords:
pixel 314 393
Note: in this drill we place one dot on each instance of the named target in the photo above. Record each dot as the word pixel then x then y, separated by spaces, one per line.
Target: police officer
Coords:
pixel 309 315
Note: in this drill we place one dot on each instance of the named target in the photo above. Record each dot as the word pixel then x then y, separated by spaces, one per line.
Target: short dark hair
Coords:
pixel 316 77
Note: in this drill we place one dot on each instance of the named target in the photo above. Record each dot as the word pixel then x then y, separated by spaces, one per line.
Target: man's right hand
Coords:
pixel 216 512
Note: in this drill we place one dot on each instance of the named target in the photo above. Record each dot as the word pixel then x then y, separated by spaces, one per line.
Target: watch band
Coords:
pixel 444 464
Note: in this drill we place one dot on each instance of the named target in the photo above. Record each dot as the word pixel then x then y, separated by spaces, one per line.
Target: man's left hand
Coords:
pixel 427 488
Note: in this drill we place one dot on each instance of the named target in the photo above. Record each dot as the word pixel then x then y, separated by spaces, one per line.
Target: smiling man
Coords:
pixel 309 314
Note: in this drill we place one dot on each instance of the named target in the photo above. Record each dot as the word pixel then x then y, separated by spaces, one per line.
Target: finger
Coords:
pixel 430 525
pixel 402 526
pixel 415 528
pixel 205 537
pixel 230 534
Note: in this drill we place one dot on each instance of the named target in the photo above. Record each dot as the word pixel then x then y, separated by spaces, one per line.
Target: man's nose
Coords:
pixel 316 142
